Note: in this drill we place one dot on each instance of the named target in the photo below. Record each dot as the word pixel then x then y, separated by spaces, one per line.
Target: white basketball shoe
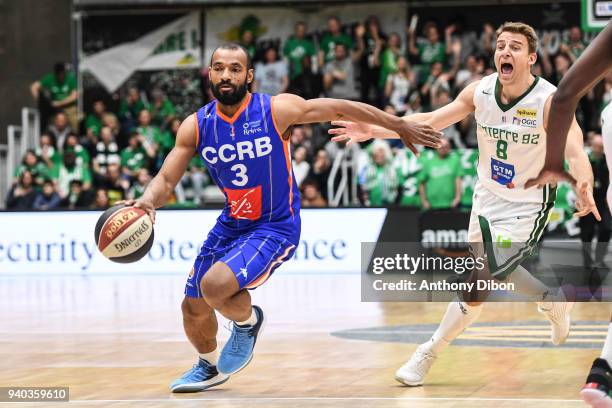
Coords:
pixel 414 371
pixel 558 314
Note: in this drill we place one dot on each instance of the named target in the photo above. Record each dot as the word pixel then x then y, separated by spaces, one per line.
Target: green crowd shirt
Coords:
pixel 295 50
pixel 59 91
pixel 133 159
pixel 430 53
pixel 469 175
pixel 408 166
pixel 328 44
pixel 439 175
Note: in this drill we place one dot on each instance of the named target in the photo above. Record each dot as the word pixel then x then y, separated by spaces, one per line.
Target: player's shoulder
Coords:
pixel 487 84
pixel 545 86
pixel 467 94
pixel 285 101
pixel 190 122
pixel 203 113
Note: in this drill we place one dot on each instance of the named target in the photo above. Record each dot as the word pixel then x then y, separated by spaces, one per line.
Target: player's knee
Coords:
pixel 217 286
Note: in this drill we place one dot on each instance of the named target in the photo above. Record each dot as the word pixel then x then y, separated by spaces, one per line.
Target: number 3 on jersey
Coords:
pixel 241 177
pixel 502 149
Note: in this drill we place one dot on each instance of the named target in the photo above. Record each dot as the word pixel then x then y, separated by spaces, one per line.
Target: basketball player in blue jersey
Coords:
pixel 243 140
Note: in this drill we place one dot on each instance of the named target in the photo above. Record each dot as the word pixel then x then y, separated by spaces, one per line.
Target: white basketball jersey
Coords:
pixel 511 139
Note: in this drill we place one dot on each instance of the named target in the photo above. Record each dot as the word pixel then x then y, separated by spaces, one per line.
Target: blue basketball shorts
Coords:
pixel 252 257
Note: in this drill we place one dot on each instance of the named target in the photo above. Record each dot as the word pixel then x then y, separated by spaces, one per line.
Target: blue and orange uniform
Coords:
pixel 250 161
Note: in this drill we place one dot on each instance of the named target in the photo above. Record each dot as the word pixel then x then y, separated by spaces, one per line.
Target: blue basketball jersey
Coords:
pixel 251 163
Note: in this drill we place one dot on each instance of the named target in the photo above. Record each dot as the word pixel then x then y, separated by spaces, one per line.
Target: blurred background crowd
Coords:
pixel 118 145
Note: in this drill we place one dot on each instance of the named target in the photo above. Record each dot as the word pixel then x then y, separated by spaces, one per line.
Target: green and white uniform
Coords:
pixel 512 149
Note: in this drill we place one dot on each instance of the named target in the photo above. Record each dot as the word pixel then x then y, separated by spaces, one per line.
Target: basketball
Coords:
pixel 124 234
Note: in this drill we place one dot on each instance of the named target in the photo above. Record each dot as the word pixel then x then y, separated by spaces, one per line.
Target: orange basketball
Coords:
pixel 124 234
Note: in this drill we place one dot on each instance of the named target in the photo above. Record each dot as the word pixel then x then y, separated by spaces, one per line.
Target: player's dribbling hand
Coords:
pixel 550 176
pixel 585 203
pixel 147 206
pixel 350 132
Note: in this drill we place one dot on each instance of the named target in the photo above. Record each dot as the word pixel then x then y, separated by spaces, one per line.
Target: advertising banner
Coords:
pixel 63 242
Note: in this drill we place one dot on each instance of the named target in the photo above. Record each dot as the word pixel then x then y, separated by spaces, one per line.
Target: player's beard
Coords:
pixel 231 98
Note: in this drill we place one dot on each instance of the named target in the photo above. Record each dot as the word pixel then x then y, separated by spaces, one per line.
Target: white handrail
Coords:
pixel 334 199
pixel 30 127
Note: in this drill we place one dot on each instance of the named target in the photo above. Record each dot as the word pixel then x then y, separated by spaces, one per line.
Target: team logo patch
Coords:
pixel 191 273
pixel 503 173
pixel 244 204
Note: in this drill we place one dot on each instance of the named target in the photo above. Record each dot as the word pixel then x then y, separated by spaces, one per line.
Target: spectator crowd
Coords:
pixel 111 155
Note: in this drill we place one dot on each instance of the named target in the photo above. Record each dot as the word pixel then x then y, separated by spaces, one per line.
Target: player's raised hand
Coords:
pixel 413 133
pixel 585 203
pixel 550 176
pixel 350 132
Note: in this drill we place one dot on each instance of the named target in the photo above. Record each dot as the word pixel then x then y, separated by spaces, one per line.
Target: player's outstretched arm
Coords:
pixel 439 119
pixel 291 110
pixel 161 187
pixel 581 171
pixel 589 69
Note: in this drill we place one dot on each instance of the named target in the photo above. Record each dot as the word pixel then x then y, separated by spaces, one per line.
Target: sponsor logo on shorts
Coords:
pixel 504 242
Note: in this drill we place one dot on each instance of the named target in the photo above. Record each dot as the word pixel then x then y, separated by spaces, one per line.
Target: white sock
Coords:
pixel 606 352
pixel 212 356
pixel 527 285
pixel 458 317
pixel 250 321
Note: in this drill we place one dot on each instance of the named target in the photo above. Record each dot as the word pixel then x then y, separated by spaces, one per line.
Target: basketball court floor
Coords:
pixel 117 341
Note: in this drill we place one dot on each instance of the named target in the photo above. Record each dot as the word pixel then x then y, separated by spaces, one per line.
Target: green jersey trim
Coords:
pixel 506 107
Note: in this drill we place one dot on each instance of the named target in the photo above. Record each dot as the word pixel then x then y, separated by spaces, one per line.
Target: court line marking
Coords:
pixel 244 399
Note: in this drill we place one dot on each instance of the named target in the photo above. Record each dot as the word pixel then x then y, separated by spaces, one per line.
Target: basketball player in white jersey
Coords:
pixel 511 109
pixel 589 69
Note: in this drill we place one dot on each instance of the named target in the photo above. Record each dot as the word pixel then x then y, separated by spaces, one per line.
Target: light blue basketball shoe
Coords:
pixel 238 351
pixel 201 377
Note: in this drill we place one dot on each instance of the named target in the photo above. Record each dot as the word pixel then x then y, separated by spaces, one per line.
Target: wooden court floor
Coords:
pixel 118 342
